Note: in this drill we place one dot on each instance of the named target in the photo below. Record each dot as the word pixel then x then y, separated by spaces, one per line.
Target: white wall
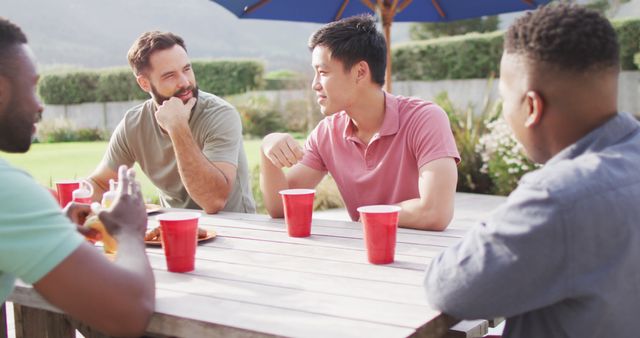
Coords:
pixel 461 92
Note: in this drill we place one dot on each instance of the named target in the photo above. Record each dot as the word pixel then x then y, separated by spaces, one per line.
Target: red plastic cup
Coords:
pixel 65 191
pixel 298 209
pixel 179 233
pixel 380 224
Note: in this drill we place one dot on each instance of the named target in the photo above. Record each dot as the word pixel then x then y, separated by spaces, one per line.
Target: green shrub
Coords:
pixel 327 193
pixel 63 130
pixel 224 78
pixel 628 32
pixel 69 88
pixel 118 84
pixel 467 56
pixel 467 129
pixel 91 134
pixel 260 117
pixel 301 115
pixel 284 79
pixel 255 189
pixel 478 55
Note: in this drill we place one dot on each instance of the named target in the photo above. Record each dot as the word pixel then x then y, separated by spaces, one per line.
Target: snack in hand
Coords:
pixel 110 244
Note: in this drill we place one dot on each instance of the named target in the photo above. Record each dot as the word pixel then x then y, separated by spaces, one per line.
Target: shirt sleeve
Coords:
pixel 223 137
pixel 431 136
pixel 34 234
pixel 513 263
pixel 312 157
pixel 118 151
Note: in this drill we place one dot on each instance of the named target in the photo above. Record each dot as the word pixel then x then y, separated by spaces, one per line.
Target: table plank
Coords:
pixel 315 282
pixel 295 297
pixel 202 311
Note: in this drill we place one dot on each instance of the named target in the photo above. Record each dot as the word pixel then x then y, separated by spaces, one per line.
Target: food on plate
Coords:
pixel 154 234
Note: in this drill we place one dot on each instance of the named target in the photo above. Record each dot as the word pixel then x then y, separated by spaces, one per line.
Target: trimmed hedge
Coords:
pixel 628 31
pixel 228 77
pixel 467 56
pixel 478 55
pixel 69 88
pixel 119 84
pixel 284 79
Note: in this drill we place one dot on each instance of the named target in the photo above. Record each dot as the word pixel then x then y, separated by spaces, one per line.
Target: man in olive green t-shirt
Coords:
pixel 188 142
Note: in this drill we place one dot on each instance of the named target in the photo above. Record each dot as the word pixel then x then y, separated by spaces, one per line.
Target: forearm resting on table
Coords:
pixel 117 299
pixel 416 214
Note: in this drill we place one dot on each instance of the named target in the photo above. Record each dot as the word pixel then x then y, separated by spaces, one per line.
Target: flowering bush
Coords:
pixel 503 157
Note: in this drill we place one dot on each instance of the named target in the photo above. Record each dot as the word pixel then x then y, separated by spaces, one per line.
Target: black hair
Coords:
pixel 10 36
pixel 567 36
pixel 352 40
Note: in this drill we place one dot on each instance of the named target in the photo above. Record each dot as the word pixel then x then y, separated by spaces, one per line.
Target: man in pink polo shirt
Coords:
pixel 379 148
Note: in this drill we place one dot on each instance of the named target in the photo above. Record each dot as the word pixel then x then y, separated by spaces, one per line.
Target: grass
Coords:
pixel 49 162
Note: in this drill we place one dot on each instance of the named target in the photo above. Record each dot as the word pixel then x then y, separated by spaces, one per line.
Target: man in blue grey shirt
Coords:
pixel 561 258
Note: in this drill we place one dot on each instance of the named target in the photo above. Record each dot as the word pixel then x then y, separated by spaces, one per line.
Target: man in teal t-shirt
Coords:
pixel 40 246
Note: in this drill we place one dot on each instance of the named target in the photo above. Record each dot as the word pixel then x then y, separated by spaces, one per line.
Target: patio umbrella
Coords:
pixel 323 11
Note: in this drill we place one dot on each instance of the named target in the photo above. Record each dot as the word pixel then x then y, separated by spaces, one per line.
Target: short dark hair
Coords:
pixel 352 40
pixel 567 36
pixel 146 44
pixel 10 36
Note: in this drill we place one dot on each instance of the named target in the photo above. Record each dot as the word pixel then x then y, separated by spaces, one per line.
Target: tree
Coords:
pixel 430 30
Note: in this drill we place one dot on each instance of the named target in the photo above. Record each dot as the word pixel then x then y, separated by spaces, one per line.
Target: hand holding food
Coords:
pixel 127 215
pixel 110 244
pixel 77 212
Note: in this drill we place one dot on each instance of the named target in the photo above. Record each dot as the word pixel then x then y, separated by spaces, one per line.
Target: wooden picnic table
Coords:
pixel 255 280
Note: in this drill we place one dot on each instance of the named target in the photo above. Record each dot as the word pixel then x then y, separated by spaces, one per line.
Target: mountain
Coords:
pixel 98 33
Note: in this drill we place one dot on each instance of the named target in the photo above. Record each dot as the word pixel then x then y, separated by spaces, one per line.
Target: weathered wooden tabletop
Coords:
pixel 253 279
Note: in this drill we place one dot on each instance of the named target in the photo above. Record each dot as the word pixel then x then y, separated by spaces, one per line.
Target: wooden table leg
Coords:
pixel 31 322
pixel 3 318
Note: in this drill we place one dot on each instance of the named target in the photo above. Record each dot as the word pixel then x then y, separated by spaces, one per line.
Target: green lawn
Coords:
pixel 48 162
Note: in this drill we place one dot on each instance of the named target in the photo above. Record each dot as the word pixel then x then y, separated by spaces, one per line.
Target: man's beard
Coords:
pixel 16 129
pixel 161 98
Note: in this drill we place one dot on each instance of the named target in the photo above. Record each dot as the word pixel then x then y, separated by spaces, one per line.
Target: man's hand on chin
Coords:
pixel 173 113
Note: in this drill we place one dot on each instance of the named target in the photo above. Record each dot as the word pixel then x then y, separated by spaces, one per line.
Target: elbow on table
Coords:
pixel 135 325
pixel 132 322
pixel 215 205
pixel 434 221
pixel 275 212
pixel 441 295
pixel 435 226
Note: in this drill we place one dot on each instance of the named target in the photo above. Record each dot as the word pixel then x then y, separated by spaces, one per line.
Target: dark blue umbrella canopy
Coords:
pixel 323 11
